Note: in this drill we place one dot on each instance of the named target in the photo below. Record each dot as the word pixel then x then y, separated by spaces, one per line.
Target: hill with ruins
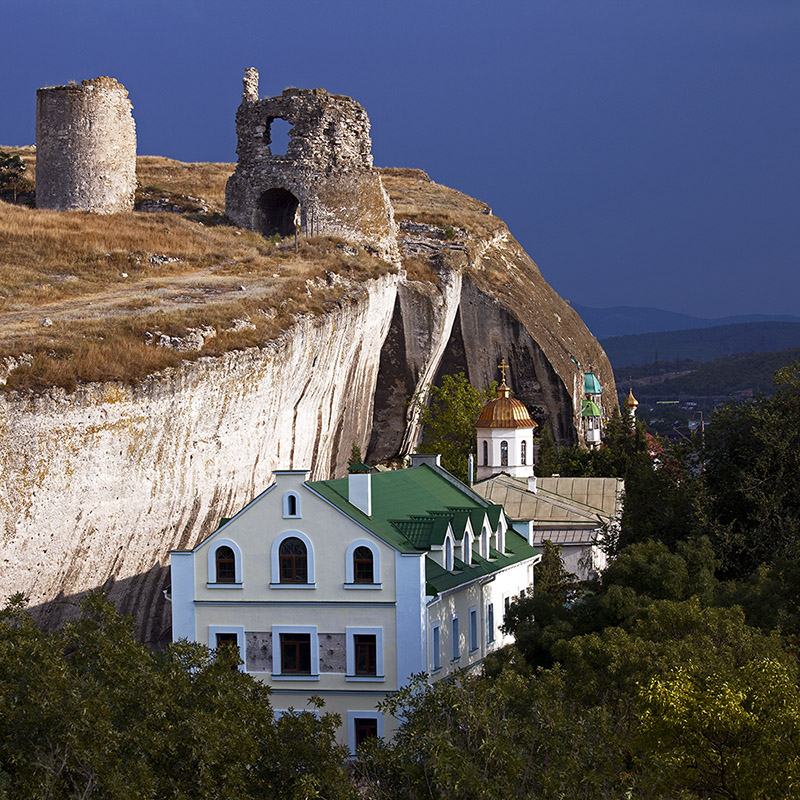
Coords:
pixel 158 364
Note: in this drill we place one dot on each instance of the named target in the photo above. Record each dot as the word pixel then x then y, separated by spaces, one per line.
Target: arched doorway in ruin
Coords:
pixel 276 210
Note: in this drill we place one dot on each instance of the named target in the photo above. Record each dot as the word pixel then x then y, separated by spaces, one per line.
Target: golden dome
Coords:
pixel 631 402
pixel 504 412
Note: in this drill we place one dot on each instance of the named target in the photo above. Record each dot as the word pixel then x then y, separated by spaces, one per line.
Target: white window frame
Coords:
pixel 490 623
pixel 352 716
pixel 455 638
pixel 436 647
pixel 349 571
pixel 286 514
pixel 275 564
pixel 213 630
pixel 474 635
pixel 449 552
pixel 350 634
pixel 212 565
pixel 466 548
pixel 277 666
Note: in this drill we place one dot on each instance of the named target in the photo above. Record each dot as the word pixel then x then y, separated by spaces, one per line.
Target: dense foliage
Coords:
pixel 447 414
pixel 90 713
pixel 676 675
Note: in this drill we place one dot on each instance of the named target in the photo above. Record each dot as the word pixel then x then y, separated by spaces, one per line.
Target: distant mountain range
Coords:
pixel 627 320
pixel 701 344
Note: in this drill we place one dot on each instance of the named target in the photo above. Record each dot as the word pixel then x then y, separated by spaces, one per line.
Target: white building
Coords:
pixel 574 513
pixel 346 588
pixel 504 432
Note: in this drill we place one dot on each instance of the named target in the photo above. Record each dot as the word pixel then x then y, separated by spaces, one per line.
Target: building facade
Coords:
pixel 346 588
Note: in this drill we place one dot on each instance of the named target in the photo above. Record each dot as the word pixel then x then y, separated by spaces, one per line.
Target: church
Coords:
pixel 346 588
pixel 573 513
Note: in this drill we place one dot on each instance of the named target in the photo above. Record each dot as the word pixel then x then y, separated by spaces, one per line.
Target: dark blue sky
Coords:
pixel 645 152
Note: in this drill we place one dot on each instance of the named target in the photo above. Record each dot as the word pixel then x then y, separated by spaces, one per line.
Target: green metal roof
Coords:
pixel 411 511
pixel 590 384
pixel 589 409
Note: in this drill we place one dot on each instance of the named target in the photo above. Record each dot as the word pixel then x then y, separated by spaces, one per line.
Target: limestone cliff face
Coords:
pixel 98 486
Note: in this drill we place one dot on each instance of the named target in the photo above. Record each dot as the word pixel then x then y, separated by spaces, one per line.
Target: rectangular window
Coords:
pixel 365 728
pixel 366 654
pixel 229 639
pixel 296 653
pixel 436 647
pixel 490 622
pixel 473 629
pixel 456 648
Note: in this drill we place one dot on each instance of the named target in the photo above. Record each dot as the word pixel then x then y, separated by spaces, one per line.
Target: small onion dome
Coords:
pixel 631 402
pixel 504 412
pixel 589 409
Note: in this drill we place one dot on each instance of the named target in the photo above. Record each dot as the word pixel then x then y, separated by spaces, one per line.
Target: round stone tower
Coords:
pixel 85 147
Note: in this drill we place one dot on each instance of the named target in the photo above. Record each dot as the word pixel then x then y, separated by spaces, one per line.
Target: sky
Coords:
pixel 644 152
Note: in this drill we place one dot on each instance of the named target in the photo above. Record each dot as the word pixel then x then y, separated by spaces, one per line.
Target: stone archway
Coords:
pixel 276 210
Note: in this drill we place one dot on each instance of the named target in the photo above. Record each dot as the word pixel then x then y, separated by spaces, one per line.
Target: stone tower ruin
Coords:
pixel 325 183
pixel 85 147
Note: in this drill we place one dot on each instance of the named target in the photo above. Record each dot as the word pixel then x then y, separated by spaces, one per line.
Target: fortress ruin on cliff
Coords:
pixel 85 147
pixel 325 184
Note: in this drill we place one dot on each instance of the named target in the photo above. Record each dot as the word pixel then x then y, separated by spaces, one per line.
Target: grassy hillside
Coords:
pixel 723 377
pixel 704 344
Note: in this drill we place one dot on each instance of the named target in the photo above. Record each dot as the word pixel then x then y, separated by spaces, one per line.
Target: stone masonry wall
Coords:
pixel 325 182
pixel 85 147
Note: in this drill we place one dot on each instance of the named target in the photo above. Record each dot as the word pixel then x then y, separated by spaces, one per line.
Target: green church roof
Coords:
pixel 589 409
pixel 590 384
pixel 411 511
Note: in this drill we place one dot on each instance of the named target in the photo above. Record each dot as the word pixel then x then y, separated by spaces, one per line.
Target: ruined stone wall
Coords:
pixel 325 181
pixel 85 147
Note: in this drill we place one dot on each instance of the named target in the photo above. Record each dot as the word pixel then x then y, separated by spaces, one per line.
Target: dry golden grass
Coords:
pixel 203 181
pixel 417 198
pixel 105 281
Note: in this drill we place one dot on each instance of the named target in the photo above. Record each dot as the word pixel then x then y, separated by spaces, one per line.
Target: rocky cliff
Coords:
pixel 99 484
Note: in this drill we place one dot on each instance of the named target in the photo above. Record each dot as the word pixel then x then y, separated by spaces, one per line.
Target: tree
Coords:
pixel 355 455
pixel 89 712
pixel 551 576
pixel 752 460
pixel 448 413
pixel 12 173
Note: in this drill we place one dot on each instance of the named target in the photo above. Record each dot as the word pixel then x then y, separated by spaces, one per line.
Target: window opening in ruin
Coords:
pixel 279 136
pixel 277 208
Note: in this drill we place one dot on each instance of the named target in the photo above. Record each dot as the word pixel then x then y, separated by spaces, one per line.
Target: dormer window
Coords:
pixel 448 554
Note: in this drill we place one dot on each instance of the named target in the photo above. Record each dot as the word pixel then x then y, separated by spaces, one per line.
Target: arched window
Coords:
pixel 504 453
pixel 485 453
pixel 363 566
pixel 291 505
pixel 448 554
pixel 293 558
pixel 466 546
pixel 523 452
pixel 226 565
pixel 485 543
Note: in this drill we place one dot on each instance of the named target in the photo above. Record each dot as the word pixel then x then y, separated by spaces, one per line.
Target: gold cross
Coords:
pixel 502 366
